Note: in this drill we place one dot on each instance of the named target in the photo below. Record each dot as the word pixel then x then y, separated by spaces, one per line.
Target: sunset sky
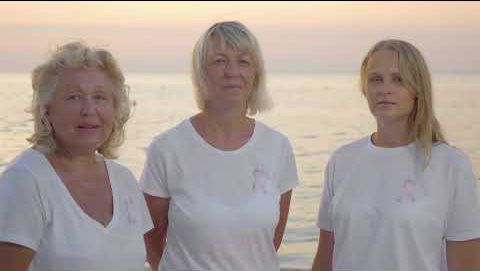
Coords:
pixel 295 36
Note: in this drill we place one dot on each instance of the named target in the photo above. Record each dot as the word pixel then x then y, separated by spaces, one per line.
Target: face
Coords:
pixel 81 112
pixel 230 77
pixel 387 97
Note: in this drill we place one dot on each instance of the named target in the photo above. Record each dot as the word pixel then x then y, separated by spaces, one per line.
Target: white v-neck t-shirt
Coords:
pixel 37 211
pixel 388 214
pixel 224 205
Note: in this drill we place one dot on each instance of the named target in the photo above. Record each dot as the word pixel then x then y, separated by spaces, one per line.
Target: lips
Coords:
pixel 232 86
pixel 385 103
pixel 88 126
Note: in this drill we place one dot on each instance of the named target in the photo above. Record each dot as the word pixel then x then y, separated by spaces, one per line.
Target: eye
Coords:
pixel 73 97
pixel 375 79
pixel 397 79
pixel 100 97
pixel 245 62
pixel 219 61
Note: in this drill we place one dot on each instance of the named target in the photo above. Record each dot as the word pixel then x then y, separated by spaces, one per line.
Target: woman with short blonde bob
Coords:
pixel 64 204
pixel 218 185
pixel 402 198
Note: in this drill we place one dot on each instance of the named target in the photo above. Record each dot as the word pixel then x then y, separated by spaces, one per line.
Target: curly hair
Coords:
pixel 45 77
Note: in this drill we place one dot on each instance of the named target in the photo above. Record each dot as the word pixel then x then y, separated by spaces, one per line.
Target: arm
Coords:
pixel 463 255
pixel 282 221
pixel 14 257
pixel 323 257
pixel 155 239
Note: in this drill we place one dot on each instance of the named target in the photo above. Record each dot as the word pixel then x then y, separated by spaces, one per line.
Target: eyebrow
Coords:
pixel 380 74
pixel 241 54
pixel 75 87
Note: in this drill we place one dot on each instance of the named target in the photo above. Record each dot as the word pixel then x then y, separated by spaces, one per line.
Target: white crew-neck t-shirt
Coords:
pixel 224 205
pixel 388 214
pixel 37 211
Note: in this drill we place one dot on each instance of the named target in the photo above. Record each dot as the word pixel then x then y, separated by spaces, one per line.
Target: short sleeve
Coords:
pixel 154 178
pixel 147 223
pixel 22 214
pixel 463 221
pixel 288 172
pixel 324 221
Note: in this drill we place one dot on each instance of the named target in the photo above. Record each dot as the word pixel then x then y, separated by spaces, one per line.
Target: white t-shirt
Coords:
pixel 386 214
pixel 224 205
pixel 37 211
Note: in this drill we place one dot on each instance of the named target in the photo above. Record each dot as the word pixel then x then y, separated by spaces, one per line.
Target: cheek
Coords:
pixel 107 113
pixel 60 117
pixel 369 96
pixel 409 102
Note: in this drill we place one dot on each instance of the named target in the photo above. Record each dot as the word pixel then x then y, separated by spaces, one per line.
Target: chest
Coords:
pixel 94 198
pixel 384 196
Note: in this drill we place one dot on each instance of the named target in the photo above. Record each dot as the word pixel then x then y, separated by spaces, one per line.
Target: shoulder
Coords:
pixel 121 175
pixel 351 149
pixel 23 172
pixel 172 135
pixel 118 168
pixel 451 155
pixel 28 162
pixel 268 133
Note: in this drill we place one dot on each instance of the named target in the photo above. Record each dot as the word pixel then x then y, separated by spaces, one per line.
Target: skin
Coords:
pixel 224 125
pixel 389 101
pixel 463 255
pixel 392 105
pixel 81 114
pixel 323 257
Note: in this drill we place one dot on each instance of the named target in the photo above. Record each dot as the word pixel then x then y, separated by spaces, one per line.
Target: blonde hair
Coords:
pixel 45 77
pixel 240 38
pixel 424 127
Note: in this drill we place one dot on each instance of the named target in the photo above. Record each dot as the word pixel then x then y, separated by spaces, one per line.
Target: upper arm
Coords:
pixel 14 257
pixel 23 215
pixel 155 174
pixel 463 255
pixel 324 255
pixel 282 221
pixel 158 208
pixel 155 239
pixel 463 217
pixel 323 219
pixel 288 175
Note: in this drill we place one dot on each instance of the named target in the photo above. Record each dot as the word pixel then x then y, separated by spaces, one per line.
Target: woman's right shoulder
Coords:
pixel 23 166
pixel 170 136
pixel 350 149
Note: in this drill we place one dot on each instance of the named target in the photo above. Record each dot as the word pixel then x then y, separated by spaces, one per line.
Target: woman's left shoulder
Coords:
pixel 119 171
pixel 266 131
pixel 451 153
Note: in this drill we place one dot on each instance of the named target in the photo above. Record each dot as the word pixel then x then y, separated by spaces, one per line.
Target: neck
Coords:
pixel 227 124
pixel 224 132
pixel 71 159
pixel 226 110
pixel 391 134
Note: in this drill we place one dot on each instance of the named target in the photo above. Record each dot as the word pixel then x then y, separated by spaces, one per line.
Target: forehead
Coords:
pixel 383 61
pixel 84 77
pixel 222 46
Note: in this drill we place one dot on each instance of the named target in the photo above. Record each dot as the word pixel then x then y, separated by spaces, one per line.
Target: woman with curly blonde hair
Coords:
pixel 64 204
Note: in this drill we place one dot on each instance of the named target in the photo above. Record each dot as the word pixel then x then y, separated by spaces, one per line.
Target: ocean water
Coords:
pixel 318 112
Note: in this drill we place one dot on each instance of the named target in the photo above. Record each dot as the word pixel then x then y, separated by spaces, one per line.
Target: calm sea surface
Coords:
pixel 318 112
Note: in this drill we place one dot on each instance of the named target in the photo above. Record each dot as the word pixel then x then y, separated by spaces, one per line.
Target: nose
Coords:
pixel 88 106
pixel 232 69
pixel 384 89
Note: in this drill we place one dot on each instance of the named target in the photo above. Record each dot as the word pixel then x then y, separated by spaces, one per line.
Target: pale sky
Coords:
pixel 294 36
